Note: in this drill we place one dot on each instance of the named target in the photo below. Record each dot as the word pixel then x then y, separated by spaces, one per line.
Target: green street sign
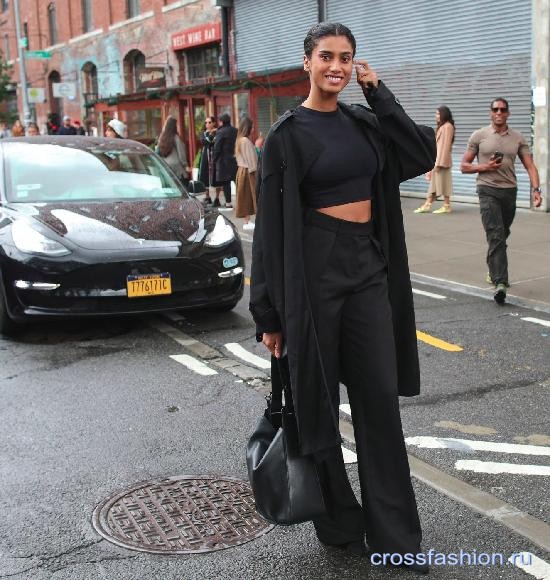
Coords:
pixel 38 54
pixel 23 42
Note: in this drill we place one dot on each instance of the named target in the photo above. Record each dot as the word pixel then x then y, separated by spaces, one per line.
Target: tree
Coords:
pixel 6 86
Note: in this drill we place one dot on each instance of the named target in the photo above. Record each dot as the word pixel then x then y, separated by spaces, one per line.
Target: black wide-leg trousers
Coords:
pixel 346 279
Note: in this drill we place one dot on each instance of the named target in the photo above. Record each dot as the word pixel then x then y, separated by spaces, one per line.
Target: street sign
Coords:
pixel 36 95
pixel 38 54
pixel 23 42
pixel 64 90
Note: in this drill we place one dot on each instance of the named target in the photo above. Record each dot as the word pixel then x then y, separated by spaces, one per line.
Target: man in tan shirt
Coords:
pixel 496 148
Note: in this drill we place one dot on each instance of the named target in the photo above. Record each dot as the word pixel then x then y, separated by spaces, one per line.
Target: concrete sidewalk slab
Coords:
pixel 452 247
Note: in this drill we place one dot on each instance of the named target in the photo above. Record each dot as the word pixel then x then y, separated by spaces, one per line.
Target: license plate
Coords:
pixel 139 285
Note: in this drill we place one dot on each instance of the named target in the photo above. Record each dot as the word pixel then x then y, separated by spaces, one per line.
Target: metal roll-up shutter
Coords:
pixel 269 109
pixel 270 35
pixel 459 54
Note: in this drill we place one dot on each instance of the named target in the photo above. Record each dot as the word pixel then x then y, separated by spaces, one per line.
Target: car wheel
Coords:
pixel 7 325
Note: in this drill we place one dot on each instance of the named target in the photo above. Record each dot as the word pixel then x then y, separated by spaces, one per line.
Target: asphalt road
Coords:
pixel 89 409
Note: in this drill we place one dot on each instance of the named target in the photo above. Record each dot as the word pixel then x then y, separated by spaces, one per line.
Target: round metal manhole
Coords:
pixel 181 515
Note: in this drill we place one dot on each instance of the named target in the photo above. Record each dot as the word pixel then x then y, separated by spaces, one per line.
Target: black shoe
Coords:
pixel 207 201
pixel 355 548
pixel 418 568
pixel 216 203
pixel 500 294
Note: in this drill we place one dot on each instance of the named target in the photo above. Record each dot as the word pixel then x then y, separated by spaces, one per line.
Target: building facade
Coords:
pixel 141 60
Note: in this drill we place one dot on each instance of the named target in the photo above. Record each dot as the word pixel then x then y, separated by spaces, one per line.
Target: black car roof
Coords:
pixel 81 142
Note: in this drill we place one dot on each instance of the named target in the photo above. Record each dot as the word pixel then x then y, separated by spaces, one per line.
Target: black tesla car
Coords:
pixel 93 226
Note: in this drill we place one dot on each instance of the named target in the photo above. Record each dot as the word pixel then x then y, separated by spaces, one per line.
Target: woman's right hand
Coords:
pixel 428 176
pixel 274 343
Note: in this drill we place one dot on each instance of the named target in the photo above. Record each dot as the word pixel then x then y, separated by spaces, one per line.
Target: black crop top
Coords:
pixel 344 171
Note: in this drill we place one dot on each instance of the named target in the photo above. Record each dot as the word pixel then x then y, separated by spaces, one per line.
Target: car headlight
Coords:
pixel 221 234
pixel 28 240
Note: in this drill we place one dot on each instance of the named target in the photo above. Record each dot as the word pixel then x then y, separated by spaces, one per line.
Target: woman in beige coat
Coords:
pixel 441 181
pixel 247 163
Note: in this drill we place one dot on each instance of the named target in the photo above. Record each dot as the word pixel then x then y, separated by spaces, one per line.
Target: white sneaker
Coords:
pixel 249 226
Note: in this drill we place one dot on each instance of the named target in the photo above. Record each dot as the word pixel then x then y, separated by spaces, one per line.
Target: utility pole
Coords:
pixel 22 72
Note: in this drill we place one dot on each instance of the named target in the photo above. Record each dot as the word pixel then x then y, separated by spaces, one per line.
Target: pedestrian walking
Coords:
pixel 32 130
pixel 79 128
pixel 224 156
pixel 172 149
pixel 17 129
pixel 207 166
pixel 496 148
pixel 4 131
pixel 247 162
pixel 115 129
pixel 440 177
pixel 330 285
pixel 67 128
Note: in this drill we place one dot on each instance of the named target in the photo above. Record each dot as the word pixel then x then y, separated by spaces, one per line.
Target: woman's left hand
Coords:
pixel 366 76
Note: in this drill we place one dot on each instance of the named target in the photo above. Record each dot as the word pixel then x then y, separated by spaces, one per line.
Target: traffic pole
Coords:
pixel 22 72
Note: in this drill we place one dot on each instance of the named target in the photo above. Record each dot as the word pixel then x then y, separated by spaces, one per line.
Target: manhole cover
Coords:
pixel 181 515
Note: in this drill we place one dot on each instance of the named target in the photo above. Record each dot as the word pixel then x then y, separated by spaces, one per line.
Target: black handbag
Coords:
pixel 285 484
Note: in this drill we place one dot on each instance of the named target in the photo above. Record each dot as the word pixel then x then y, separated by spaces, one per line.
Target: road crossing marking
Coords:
pixel 437 342
pixel 349 455
pixel 193 364
pixel 537 321
pixel 429 294
pixel 534 565
pixel 346 408
pixel 494 467
pixel 247 356
pixel 470 445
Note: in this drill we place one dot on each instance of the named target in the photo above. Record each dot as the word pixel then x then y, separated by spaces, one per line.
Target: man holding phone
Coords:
pixel 496 148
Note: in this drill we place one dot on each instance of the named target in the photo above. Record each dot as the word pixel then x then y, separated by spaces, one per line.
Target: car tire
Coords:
pixel 7 325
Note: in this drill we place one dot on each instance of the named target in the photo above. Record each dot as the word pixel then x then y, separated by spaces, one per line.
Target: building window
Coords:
pixel 26 34
pixel 132 8
pixel 203 62
pixel 134 64
pixel 5 5
pixel 52 23
pixel 7 47
pixel 87 23
pixel 89 84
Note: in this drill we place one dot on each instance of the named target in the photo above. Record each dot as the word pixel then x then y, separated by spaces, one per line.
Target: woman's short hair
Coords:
pixel 225 119
pixel 323 29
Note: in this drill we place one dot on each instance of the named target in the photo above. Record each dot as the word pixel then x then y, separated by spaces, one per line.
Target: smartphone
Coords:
pixel 498 155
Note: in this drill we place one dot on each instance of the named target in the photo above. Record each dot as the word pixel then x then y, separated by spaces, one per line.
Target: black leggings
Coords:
pixel 346 277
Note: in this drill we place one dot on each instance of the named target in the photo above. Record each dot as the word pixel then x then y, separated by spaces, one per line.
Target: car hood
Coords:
pixel 121 224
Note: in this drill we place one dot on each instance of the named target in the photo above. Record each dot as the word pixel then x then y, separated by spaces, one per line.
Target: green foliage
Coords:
pixel 5 77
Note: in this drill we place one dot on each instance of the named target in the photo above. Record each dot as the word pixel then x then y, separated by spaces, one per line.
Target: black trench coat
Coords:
pixel 278 299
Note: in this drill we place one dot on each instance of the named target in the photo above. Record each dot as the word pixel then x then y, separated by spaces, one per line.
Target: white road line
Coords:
pixel 193 364
pixel 533 565
pixel 537 321
pixel 349 456
pixel 242 353
pixel 494 468
pixel 471 445
pixel 429 294
pixel 345 408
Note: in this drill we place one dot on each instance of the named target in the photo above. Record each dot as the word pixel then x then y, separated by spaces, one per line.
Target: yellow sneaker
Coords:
pixel 424 208
pixel 443 209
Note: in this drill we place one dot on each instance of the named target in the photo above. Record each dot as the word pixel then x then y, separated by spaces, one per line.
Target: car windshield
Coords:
pixel 52 173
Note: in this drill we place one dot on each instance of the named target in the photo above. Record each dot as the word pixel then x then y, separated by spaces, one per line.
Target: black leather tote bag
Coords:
pixel 285 484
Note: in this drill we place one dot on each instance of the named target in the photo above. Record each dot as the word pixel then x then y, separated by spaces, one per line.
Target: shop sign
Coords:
pixel 151 78
pixel 205 34
pixel 36 95
pixel 67 90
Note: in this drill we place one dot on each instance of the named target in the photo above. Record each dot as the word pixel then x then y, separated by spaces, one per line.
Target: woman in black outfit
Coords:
pixel 330 284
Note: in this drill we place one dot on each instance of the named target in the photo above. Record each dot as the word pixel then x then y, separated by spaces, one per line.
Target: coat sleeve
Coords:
pixel 414 144
pixel 218 144
pixel 443 158
pixel 267 245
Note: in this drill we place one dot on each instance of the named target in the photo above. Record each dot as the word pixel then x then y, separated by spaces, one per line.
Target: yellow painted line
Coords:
pixel 437 342
pixel 247 280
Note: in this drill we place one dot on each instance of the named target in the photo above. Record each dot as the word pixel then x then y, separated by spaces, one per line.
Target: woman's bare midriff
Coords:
pixel 357 211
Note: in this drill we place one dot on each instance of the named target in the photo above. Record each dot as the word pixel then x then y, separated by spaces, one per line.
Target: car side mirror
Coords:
pixel 196 187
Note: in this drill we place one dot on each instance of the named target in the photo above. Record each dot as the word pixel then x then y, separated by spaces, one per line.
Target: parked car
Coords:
pixel 93 226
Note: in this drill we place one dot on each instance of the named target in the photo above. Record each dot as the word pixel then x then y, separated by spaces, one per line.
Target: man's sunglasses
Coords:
pixel 499 109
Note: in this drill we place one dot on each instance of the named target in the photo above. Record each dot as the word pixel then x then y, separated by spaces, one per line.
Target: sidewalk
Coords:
pixel 449 250
pixel 452 248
